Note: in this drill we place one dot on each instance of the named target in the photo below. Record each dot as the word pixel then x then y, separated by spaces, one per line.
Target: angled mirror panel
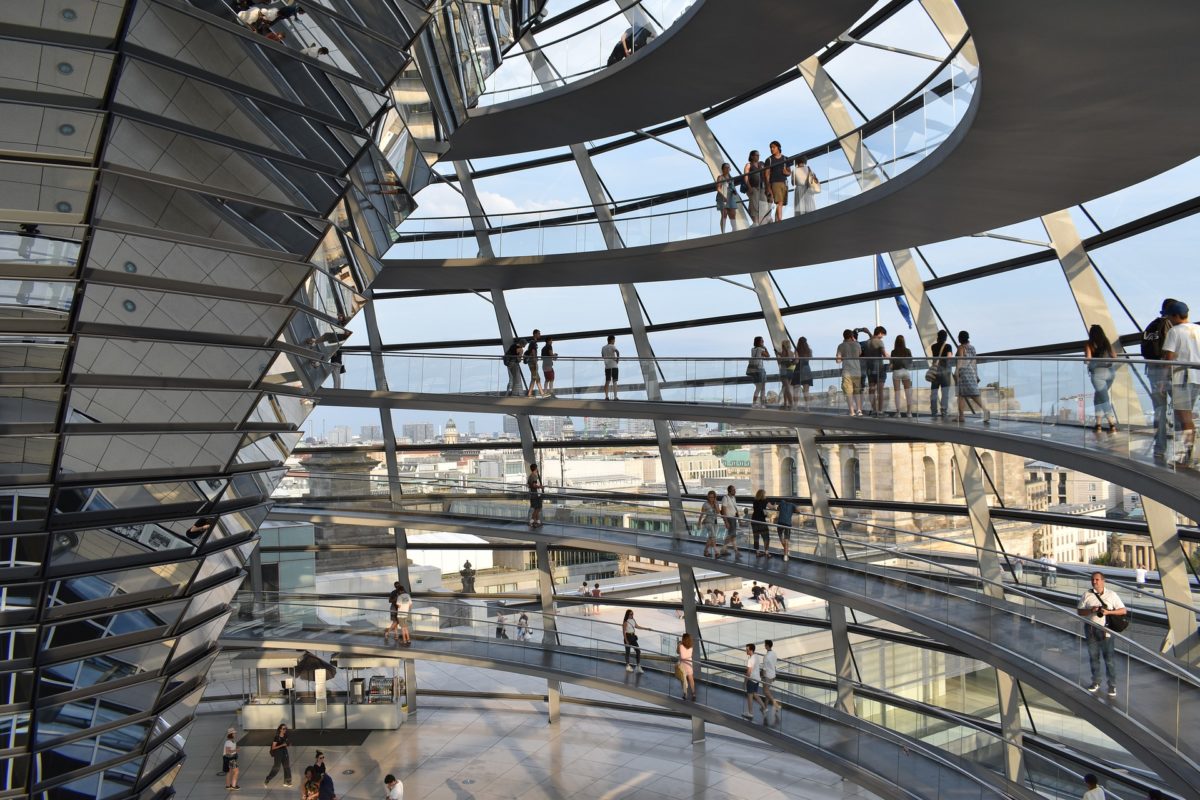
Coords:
pixel 24 503
pixel 75 716
pixel 176 311
pixel 266 448
pixel 153 407
pixel 143 256
pixel 149 358
pixel 112 782
pixel 176 714
pixel 101 668
pixel 99 500
pixel 28 130
pixel 297 372
pixel 254 485
pixel 138 454
pixel 328 296
pixel 26 459
pixel 277 409
pixel 95 18
pixel 72 550
pixel 218 563
pixel 199 639
pixel 157 619
pixel 189 675
pixel 32 405
pixel 26 248
pixel 33 193
pixel 54 70
pixel 68 596
pixel 32 361
pixel 189 160
pixel 42 303
pixel 208 602
pixel 17 602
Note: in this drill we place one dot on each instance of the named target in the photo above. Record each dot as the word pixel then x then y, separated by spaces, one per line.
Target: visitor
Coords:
pixel 548 359
pixel 783 525
pixel 780 600
pixel 758 524
pixel 534 482
pixel 523 632
pixel 531 361
pixel 967 379
pixel 596 593
pixel 310 786
pixel 395 789
pixel 1097 605
pixel 757 371
pixel 719 597
pixel 1051 569
pixel 710 512
pixel 314 51
pixel 687 677
pixel 404 613
pixel 710 598
pixel 325 790
pixel 393 612
pixel 629 629
pixel 753 676
pixel 757 592
pixel 735 600
pixel 229 759
pixel 848 356
pixel 585 592
pixel 778 171
pixel 512 360
pixel 901 361
pixel 727 199
pixel 1183 344
pixel 279 757
pixel 1159 377
pixel 1140 575
pixel 1094 792
pixel 1102 370
pixel 501 623
pixel 806 186
pixel 787 364
pixel 802 375
pixel 875 368
pixel 939 375
pixel 729 512
pixel 632 40
pixel 612 357
pixel 769 671
pixel 756 190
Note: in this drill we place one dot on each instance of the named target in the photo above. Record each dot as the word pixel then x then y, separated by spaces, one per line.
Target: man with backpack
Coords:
pixel 1159 376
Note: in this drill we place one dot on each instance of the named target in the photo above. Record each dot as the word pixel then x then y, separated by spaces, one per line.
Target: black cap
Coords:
pixel 390 779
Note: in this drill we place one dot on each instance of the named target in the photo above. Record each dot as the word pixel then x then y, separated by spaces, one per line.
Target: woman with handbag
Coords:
pixel 787 363
pixel 807 187
pixel 684 669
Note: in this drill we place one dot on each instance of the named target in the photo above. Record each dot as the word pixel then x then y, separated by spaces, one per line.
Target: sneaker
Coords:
pixel 641 671
pixel 1112 691
pixel 287 785
pixel 1095 687
pixel 628 668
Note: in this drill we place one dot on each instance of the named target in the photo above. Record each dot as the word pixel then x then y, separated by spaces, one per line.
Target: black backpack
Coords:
pixel 1153 339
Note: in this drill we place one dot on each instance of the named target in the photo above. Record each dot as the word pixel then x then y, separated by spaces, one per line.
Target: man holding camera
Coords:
pixel 1098 604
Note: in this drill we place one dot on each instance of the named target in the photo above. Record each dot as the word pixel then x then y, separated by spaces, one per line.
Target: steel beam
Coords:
pixel 1182 638
pixel 549 625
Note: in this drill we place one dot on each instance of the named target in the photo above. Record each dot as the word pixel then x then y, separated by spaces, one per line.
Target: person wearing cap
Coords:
pixel 395 789
pixel 1159 377
pixel 1183 344
pixel 229 760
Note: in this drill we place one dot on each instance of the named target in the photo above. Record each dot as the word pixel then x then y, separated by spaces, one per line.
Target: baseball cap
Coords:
pixel 1178 308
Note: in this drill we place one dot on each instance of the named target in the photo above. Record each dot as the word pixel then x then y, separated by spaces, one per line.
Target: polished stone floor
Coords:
pixel 466 749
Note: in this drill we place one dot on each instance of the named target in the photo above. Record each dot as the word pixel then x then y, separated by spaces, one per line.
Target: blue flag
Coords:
pixel 883 280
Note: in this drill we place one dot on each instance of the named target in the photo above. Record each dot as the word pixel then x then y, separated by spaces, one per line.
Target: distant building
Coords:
pixel 450 432
pixel 510 426
pixel 737 463
pixel 371 433
pixel 340 434
pixel 418 432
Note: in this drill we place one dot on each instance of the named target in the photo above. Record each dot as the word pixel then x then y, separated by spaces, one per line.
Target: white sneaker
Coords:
pixel 628 668
pixel 641 671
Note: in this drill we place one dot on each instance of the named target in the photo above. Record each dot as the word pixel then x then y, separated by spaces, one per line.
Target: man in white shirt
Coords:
pixel 1183 344
pixel 395 789
pixel 1098 604
pixel 612 357
pixel 753 675
pixel 729 512
pixel 1094 792
pixel 404 613
pixel 769 667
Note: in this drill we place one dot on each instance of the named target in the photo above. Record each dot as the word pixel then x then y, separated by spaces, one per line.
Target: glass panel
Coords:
pixel 103 667
pixel 134 454
pixel 145 357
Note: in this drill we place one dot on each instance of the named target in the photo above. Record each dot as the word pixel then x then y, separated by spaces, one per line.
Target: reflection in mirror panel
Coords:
pixel 161 359
pixel 256 323
pixel 159 582
pixel 23 504
pixel 101 668
pixel 132 455
pixel 37 249
pixel 33 359
pixel 121 497
pixel 96 18
pixel 114 781
pixel 199 639
pixel 61 133
pixel 36 194
pixel 156 619
pixel 35 300
pixel 157 406
pixel 254 485
pixel 75 716
pixel 29 405
pixel 73 549
pixel 266 448
pixel 146 256
pixel 26 459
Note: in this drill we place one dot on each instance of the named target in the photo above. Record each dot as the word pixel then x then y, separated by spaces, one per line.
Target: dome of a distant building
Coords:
pixel 450 432
pixel 568 429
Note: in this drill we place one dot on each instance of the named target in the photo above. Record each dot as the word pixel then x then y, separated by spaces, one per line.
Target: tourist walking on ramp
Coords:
pixel 1183 344
pixel 686 674
pixel 629 629
pixel 757 371
pixel 967 379
pixel 512 362
pixel 710 513
pixel 754 174
pixel 901 361
pixel 769 671
pixel 939 375
pixel 1099 604
pixel 729 512
pixel 847 355
pixel 758 524
pixel 727 199
pixel 534 482
pixel 279 757
pixel 548 359
pixel 787 363
pixel 778 170
pixel 753 685
pixel 802 375
pixel 531 361
pixel 1159 376
pixel 807 187
pixel 1102 371
pixel 875 367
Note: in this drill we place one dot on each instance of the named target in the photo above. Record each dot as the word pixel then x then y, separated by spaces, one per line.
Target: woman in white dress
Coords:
pixel 807 186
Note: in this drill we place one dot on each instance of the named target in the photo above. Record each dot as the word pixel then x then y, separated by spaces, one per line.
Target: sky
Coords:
pixel 1023 308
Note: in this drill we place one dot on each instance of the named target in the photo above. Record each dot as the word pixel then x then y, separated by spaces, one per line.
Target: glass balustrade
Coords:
pixel 845 167
pixel 902 575
pixel 1126 408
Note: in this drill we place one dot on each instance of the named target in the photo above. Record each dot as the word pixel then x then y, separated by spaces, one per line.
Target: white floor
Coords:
pixel 462 749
